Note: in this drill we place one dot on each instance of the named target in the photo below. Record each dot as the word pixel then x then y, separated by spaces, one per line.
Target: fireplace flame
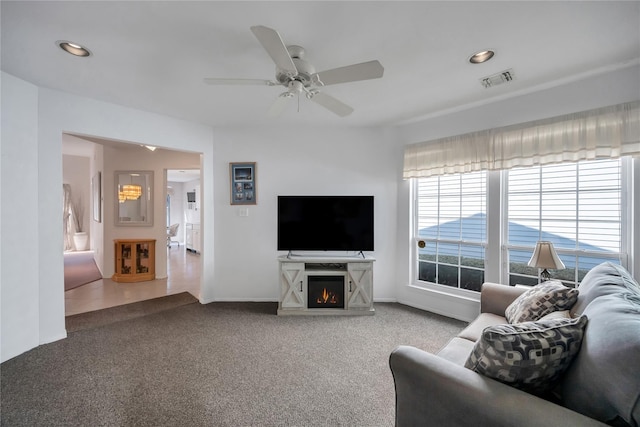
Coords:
pixel 327 297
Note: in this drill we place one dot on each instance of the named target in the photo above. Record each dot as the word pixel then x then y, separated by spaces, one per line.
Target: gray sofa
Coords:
pixel 600 387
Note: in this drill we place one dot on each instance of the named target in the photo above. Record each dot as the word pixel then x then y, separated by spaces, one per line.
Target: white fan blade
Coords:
pixel 279 104
pixel 350 73
pixel 332 104
pixel 275 47
pixel 214 81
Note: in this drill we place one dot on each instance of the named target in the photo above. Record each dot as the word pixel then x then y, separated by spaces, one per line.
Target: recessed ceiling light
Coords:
pixel 73 48
pixel 480 57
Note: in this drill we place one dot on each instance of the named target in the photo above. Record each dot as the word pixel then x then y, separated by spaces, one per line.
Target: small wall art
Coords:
pixel 243 183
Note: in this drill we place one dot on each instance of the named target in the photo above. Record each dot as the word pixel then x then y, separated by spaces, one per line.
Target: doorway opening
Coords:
pixel 182 273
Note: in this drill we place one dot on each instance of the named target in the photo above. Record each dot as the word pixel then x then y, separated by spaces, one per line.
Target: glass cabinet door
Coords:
pixel 125 262
pixel 142 258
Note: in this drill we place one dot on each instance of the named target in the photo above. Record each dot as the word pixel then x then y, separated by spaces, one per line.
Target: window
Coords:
pixel 580 207
pixel 576 206
pixel 451 221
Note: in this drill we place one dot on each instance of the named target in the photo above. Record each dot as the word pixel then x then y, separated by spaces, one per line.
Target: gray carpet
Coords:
pixel 220 364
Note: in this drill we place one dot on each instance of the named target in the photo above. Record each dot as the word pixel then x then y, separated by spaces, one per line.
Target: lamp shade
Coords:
pixel 545 256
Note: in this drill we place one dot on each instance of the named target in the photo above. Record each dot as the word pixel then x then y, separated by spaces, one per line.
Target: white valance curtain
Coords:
pixel 608 132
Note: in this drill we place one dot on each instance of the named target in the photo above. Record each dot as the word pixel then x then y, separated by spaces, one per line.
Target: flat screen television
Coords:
pixel 325 223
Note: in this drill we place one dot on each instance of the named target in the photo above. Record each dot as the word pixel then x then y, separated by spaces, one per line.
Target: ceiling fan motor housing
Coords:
pixel 305 69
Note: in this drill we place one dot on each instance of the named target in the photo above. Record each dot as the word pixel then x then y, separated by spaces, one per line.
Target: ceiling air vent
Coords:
pixel 498 79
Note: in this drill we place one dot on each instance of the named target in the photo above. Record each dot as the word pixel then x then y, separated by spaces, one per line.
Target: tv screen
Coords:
pixel 325 223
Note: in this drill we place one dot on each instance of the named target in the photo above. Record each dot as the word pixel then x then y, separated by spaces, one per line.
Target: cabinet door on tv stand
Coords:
pixel 292 286
pixel 360 285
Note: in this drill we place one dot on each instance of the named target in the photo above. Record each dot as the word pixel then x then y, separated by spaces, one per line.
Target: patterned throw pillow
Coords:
pixel 530 356
pixel 540 300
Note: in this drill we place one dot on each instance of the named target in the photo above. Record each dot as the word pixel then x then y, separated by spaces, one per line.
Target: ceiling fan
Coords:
pixel 295 73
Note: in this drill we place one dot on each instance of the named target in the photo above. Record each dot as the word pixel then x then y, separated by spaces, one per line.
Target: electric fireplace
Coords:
pixel 325 291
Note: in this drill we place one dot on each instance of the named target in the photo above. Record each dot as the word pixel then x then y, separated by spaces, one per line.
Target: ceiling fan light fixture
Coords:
pixel 482 56
pixel 299 76
pixel 73 48
pixel 296 86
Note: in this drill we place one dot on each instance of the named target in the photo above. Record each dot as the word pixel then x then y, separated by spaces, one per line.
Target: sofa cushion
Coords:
pixel 531 355
pixel 604 279
pixel 540 300
pixel 603 381
pixel 457 350
pixel 473 332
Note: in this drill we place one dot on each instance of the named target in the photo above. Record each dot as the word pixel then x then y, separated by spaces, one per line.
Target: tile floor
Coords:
pixel 183 268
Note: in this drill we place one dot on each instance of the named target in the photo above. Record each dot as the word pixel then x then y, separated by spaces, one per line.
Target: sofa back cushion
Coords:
pixel 603 381
pixel 604 279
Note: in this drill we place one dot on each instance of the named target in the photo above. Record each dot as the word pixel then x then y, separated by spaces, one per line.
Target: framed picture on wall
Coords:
pixel 243 183
pixel 96 189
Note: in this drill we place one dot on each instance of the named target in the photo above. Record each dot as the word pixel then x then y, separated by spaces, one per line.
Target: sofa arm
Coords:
pixel 432 391
pixel 495 298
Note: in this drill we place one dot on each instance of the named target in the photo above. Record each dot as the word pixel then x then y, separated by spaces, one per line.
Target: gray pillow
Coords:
pixel 541 300
pixel 530 356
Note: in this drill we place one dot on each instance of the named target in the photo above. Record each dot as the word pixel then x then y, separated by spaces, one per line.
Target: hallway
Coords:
pixel 183 270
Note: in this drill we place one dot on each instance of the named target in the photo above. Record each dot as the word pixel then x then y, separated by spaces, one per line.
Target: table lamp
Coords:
pixel 545 256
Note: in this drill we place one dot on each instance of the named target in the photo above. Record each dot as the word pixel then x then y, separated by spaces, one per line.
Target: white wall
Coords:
pixel 598 91
pixel 19 211
pixel 97 227
pixel 290 162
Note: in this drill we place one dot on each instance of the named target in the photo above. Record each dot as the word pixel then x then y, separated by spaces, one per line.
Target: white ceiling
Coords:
pixel 182 175
pixel 153 55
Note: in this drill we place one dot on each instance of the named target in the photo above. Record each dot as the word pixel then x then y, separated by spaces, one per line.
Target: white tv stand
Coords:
pixel 357 288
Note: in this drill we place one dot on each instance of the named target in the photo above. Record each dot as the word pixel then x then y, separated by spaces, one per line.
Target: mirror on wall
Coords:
pixel 134 198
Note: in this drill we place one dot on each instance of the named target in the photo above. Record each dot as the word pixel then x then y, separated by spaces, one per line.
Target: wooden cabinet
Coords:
pixel 135 260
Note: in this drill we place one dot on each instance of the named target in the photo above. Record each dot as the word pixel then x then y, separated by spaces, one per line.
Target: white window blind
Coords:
pixel 576 206
pixel 451 220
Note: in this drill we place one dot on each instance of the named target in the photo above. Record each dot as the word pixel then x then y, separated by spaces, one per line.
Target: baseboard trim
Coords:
pixel 385 300
pixel 242 300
